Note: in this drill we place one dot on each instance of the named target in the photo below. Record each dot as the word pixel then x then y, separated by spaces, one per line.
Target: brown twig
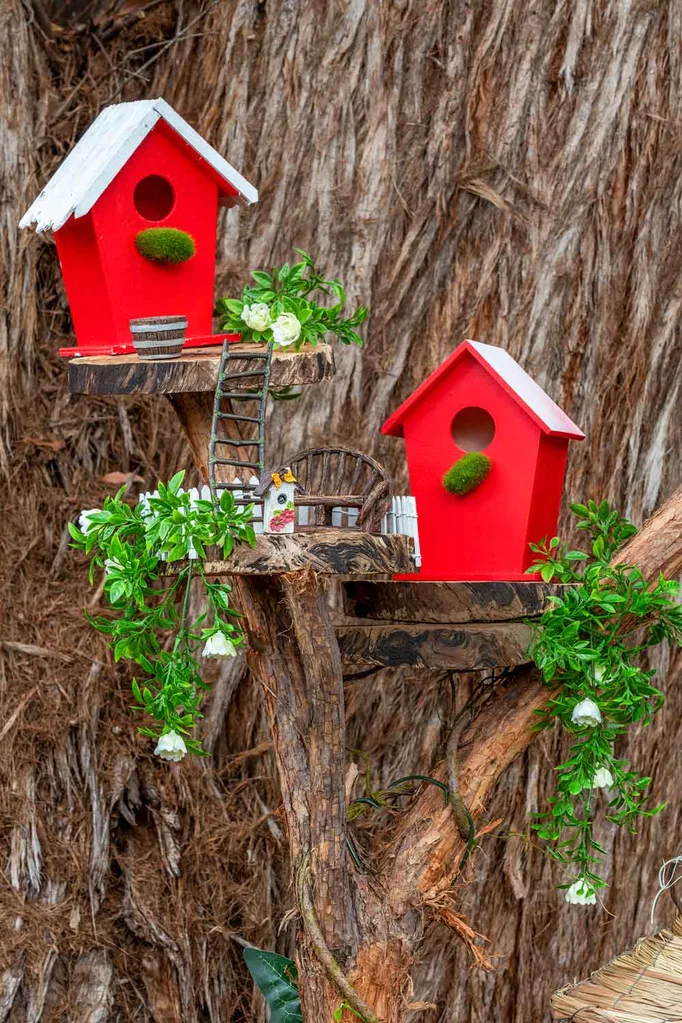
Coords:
pixel 321 949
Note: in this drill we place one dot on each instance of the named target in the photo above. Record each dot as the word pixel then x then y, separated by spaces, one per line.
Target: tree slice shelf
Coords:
pixel 442 626
pixel 448 603
pixel 189 383
pixel 338 552
pixel 474 646
pixel 195 370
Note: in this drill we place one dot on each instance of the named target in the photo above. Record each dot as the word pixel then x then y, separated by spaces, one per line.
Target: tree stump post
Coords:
pixel 294 653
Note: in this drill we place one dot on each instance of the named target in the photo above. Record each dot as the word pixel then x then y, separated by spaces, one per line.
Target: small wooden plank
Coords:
pixel 467 647
pixel 407 601
pixel 325 551
pixel 194 370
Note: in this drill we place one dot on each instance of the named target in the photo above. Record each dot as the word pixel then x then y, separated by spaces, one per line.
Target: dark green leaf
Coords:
pixel 277 980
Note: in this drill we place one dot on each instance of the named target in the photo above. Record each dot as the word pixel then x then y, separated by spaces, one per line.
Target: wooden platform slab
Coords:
pixel 467 647
pixel 325 551
pixel 451 603
pixel 193 370
pixel 458 626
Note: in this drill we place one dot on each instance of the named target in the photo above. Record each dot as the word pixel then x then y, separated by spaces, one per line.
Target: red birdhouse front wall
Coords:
pixel 108 282
pixel 484 534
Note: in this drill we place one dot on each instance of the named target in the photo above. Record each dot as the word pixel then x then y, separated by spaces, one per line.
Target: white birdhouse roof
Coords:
pixel 512 378
pixel 105 148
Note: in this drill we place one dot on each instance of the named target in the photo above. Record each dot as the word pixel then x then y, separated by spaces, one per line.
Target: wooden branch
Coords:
pixel 658 545
pixel 423 855
pixel 449 603
pixel 420 862
pixel 303 690
pixel 194 370
pixel 425 852
pixel 325 551
pixel 469 647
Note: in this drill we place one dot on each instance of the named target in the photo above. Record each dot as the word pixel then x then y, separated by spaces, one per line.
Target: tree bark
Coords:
pixel 294 654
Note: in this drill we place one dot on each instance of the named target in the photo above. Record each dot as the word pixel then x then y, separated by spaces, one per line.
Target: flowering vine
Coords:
pixel 279 308
pixel 150 621
pixel 588 646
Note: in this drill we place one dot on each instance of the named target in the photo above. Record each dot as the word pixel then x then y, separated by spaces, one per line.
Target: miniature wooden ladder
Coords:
pixel 261 377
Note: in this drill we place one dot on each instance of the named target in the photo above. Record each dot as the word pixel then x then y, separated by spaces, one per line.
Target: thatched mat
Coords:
pixel 640 986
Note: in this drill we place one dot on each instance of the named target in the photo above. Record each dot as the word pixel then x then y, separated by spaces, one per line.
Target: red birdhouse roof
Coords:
pixel 509 375
pixel 107 145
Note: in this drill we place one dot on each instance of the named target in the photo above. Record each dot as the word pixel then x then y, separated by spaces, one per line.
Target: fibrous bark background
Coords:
pixel 508 170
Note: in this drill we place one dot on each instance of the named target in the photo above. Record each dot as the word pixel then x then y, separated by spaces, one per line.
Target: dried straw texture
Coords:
pixel 506 170
pixel 640 986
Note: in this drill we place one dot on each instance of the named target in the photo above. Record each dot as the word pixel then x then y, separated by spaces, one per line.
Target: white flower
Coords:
pixel 171 746
pixel 581 894
pixel 586 714
pixel 257 316
pixel 84 519
pixel 602 779
pixel 218 646
pixel 286 329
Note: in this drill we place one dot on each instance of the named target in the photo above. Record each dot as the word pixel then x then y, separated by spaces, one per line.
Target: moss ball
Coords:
pixel 165 245
pixel 467 473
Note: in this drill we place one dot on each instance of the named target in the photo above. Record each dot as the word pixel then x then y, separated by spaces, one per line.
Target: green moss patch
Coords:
pixel 165 245
pixel 467 473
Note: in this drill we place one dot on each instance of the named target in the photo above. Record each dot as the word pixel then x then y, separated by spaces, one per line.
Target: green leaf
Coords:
pixel 75 532
pixel 177 553
pixel 547 573
pixel 277 980
pixel 175 481
pixel 265 281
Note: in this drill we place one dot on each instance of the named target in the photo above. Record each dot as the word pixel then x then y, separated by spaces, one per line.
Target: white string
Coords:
pixel 667 879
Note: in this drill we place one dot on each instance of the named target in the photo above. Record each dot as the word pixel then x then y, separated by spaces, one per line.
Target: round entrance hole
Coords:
pixel 473 428
pixel 154 197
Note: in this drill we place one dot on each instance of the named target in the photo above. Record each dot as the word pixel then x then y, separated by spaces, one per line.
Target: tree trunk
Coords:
pixel 505 171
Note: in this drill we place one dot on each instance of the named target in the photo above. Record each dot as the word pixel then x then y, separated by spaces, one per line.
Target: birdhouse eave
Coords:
pixel 546 414
pixel 107 145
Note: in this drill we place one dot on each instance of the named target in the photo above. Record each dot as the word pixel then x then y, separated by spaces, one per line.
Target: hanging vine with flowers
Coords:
pixel 151 623
pixel 589 644
pixel 279 308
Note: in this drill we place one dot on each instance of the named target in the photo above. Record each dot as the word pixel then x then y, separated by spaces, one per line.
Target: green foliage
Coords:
pixel 589 644
pixel 276 978
pixel 285 292
pixel 150 623
pixel 467 473
pixel 345 1007
pixel 165 245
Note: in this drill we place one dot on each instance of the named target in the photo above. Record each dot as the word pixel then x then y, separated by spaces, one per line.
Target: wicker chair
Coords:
pixel 341 478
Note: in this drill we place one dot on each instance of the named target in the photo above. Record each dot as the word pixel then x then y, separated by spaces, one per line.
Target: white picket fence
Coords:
pixel 401 517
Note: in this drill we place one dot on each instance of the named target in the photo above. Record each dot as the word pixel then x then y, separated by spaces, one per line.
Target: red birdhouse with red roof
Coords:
pixel 139 166
pixel 486 453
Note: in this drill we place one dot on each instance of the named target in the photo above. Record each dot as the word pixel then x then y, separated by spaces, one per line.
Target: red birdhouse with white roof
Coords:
pixel 139 166
pixel 486 453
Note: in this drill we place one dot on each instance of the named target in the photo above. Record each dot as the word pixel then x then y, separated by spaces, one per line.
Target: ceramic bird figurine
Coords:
pixel 288 476
pixel 276 479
